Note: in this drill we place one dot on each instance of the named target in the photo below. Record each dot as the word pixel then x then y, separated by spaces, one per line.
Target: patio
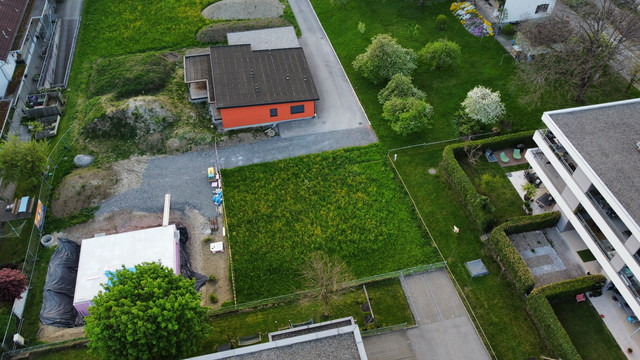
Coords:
pixel 518 178
pixel 509 154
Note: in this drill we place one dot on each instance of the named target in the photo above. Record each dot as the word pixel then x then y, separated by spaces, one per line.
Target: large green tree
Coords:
pixel 22 161
pixel 439 54
pixel 400 86
pixel 384 58
pixel 147 314
pixel 408 115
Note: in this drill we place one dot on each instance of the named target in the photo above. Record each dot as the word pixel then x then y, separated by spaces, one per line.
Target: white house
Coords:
pixel 520 10
pixel 588 158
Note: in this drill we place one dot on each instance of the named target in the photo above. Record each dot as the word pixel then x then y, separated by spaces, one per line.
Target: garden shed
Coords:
pixel 101 254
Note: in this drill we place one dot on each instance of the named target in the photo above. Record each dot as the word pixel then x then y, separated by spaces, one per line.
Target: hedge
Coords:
pixel 476 203
pixel 546 319
pixel 506 253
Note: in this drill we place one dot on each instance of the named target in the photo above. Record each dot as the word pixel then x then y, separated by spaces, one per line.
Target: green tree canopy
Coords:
pixel 441 53
pixel 22 161
pixel 147 314
pixel 407 115
pixel 400 86
pixel 384 58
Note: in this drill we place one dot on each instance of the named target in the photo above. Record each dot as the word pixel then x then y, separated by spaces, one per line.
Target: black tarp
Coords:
pixel 185 266
pixel 57 301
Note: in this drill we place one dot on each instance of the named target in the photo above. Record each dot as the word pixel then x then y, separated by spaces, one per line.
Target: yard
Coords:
pixel 587 331
pixel 498 306
pixel 345 203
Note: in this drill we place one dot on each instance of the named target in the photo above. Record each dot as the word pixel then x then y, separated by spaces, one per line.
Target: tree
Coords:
pixel 473 152
pixel 400 86
pixel 441 53
pixel 147 314
pixel 22 161
pixel 634 76
pixel 483 105
pixel 383 58
pixel 441 20
pixel 577 49
pixel 327 278
pixel 12 284
pixel 408 115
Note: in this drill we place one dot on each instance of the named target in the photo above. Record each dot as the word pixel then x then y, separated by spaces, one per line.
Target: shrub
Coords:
pixel 206 239
pixel 361 27
pixel 400 86
pixel 439 54
pixel 441 20
pixel 483 105
pixel 551 328
pixel 213 278
pixel 12 284
pixel 407 115
pixel 227 304
pixel 383 58
pixel 213 298
pixel 508 30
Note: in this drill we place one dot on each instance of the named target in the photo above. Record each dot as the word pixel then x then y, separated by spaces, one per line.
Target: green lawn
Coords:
pixel 497 304
pixel 490 179
pixel 346 203
pixel 586 255
pixel 587 331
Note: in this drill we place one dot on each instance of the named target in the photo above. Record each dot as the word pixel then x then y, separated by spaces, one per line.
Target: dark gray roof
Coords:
pixel 242 77
pixel 606 137
pixel 198 68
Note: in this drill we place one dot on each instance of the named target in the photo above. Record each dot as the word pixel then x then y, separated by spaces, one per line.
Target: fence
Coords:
pixel 383 330
pixel 58 152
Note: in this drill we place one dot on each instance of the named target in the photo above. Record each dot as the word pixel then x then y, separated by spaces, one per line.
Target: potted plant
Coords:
pixel 529 191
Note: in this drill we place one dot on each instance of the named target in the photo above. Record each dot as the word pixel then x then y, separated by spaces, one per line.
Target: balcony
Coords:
pixel 549 170
pixel 609 215
pixel 631 281
pixel 559 150
pixel 43 105
pixel 596 235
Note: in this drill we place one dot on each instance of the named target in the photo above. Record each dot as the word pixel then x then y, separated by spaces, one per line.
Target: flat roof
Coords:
pixel 606 135
pixel 11 13
pixel 242 77
pixel 265 39
pixel 198 68
pixel 110 252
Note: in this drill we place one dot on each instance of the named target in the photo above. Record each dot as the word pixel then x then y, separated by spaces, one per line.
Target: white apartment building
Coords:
pixel 589 159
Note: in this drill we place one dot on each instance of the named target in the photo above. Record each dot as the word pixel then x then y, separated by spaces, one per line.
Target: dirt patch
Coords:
pixel 54 334
pixel 230 140
pixel 91 186
pixel 171 57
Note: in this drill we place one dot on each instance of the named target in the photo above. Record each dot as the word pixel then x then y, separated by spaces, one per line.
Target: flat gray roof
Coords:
pixel 110 252
pixel 606 136
pixel 265 39
pixel 198 68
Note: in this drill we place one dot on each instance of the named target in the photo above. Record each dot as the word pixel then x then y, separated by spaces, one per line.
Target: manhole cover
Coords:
pixel 432 171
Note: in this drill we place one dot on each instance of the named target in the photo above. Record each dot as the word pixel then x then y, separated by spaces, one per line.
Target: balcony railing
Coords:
pixel 560 152
pixel 606 248
pixel 609 221
pixel 549 170
pixel 630 280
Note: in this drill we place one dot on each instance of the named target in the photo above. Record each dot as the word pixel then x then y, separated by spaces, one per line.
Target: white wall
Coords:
pixel 518 10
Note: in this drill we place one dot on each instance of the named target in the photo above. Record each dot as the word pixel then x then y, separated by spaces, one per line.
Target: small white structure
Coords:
pixel 520 10
pixel 111 252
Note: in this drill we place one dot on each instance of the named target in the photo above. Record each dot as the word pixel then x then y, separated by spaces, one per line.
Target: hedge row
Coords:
pixel 546 319
pixel 476 203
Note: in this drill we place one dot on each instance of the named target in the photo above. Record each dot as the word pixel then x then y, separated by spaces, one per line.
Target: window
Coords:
pixel 273 112
pixel 542 8
pixel 297 109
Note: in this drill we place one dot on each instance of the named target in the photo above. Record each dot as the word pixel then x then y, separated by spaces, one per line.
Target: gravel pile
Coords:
pixel 243 9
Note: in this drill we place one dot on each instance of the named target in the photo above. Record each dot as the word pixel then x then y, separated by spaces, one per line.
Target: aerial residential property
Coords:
pixel 588 157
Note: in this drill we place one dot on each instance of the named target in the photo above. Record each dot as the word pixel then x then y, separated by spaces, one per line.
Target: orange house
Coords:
pixel 251 88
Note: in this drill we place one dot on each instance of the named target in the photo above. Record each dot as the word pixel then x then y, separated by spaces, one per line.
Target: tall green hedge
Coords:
pixel 476 203
pixel 546 319
pixel 506 253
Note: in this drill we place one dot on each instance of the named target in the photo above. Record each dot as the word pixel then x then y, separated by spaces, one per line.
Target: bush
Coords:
pixel 441 20
pixel 439 54
pixel 12 284
pixel 551 328
pixel 571 288
pixel 217 32
pixel 206 239
pixel 461 181
pixel 400 86
pixel 227 304
pixel 383 58
pixel 508 30
pixel 213 298
pixel 408 115
pixel 213 278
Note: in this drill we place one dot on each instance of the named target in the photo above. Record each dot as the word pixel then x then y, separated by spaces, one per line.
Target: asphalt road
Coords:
pixel 185 176
pixel 338 107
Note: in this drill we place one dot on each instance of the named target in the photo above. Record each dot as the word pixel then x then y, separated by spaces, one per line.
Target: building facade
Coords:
pixel 589 159
pixel 519 10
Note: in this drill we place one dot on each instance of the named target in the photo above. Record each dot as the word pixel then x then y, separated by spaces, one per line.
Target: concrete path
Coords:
pixel 444 329
pixel 338 107
pixel 184 176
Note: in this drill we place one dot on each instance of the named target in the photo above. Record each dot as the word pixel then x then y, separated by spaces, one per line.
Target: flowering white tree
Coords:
pixel 483 105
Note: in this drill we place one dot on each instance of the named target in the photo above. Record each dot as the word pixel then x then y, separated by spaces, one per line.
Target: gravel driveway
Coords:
pixel 185 176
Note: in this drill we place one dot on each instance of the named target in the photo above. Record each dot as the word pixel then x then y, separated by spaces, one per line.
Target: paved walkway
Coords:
pixel 444 329
pixel 338 107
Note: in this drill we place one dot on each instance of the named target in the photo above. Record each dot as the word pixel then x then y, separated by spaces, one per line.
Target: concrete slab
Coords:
pixel 476 268
pixel 389 346
pixel 266 39
pixel 616 320
pixel 517 180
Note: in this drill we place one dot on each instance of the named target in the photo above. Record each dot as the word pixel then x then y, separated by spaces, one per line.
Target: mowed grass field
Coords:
pixel 345 203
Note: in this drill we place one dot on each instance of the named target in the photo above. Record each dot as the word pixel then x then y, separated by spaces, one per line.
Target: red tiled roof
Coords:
pixel 11 13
